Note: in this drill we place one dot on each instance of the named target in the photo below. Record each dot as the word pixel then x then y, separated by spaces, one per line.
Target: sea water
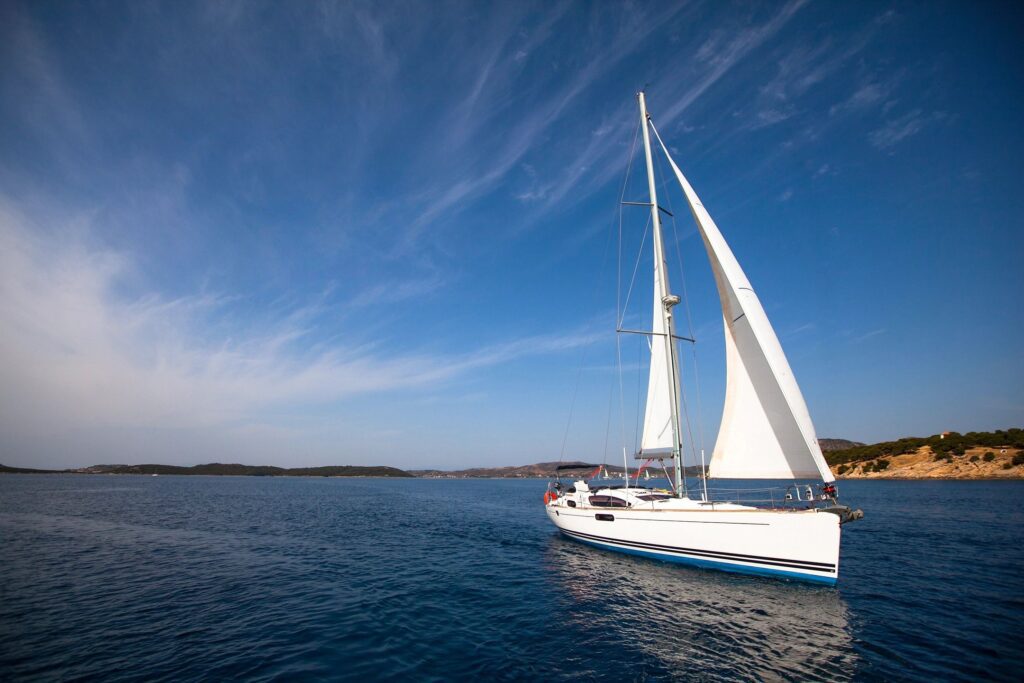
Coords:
pixel 216 578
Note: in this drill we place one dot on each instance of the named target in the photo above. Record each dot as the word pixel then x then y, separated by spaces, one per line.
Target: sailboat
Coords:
pixel 766 433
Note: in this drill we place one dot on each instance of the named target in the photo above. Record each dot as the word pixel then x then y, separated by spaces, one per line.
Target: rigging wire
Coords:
pixel 693 346
pixel 621 319
pixel 583 356
pixel 696 376
pixel 636 267
pixel 625 305
pixel 600 277
pixel 622 404
pixel 682 393
pixel 639 393
pixel 572 405
pixel 619 306
pixel 608 421
pixel 622 196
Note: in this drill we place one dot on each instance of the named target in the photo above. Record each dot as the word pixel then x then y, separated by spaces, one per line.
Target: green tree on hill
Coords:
pixel 942 447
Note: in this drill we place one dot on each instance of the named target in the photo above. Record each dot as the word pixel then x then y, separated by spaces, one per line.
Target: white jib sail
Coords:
pixel 766 430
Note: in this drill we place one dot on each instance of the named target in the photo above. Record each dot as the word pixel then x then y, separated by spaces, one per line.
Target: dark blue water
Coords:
pixel 183 578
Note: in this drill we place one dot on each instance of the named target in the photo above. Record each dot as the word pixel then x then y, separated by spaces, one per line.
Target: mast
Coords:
pixel 667 301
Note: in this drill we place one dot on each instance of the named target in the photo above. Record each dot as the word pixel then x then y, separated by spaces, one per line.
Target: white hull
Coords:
pixel 796 544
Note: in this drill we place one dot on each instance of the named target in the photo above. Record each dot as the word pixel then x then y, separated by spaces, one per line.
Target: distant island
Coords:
pixel 217 468
pixel 950 455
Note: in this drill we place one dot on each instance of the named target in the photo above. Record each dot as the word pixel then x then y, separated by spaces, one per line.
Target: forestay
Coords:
pixel 766 430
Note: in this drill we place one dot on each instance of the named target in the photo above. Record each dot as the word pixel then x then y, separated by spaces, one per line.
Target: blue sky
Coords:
pixel 328 233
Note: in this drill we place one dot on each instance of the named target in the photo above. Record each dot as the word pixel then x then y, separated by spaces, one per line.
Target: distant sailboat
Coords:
pixel 766 433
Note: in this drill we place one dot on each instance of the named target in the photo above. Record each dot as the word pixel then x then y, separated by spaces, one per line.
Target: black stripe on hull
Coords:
pixel 731 557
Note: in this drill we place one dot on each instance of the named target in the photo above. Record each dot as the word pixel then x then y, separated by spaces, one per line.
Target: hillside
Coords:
pixel 540 470
pixel 974 455
pixel 535 471
pixel 226 470
pixel 4 469
pixel 837 444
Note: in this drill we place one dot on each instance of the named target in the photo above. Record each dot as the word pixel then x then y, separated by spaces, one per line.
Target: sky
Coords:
pixel 388 233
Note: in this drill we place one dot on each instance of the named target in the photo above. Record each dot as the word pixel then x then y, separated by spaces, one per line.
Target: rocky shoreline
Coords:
pixel 975 463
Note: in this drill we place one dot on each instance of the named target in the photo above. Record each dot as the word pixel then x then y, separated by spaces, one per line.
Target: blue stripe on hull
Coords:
pixel 710 564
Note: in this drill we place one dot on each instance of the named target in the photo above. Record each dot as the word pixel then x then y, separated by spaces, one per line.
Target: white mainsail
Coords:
pixel 766 430
pixel 658 436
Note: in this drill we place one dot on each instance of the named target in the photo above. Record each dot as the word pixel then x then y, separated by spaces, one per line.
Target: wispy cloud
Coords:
pixel 902 127
pixel 482 172
pixel 597 161
pixel 38 89
pixel 807 65
pixel 800 329
pixel 723 50
pixel 75 354
pixel 868 335
pixel 867 95
pixel 393 292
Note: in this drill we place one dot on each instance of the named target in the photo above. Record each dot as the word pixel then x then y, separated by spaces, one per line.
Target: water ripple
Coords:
pixel 138 578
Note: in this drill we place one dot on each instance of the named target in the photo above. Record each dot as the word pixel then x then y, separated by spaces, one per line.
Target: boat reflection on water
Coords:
pixel 698 623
